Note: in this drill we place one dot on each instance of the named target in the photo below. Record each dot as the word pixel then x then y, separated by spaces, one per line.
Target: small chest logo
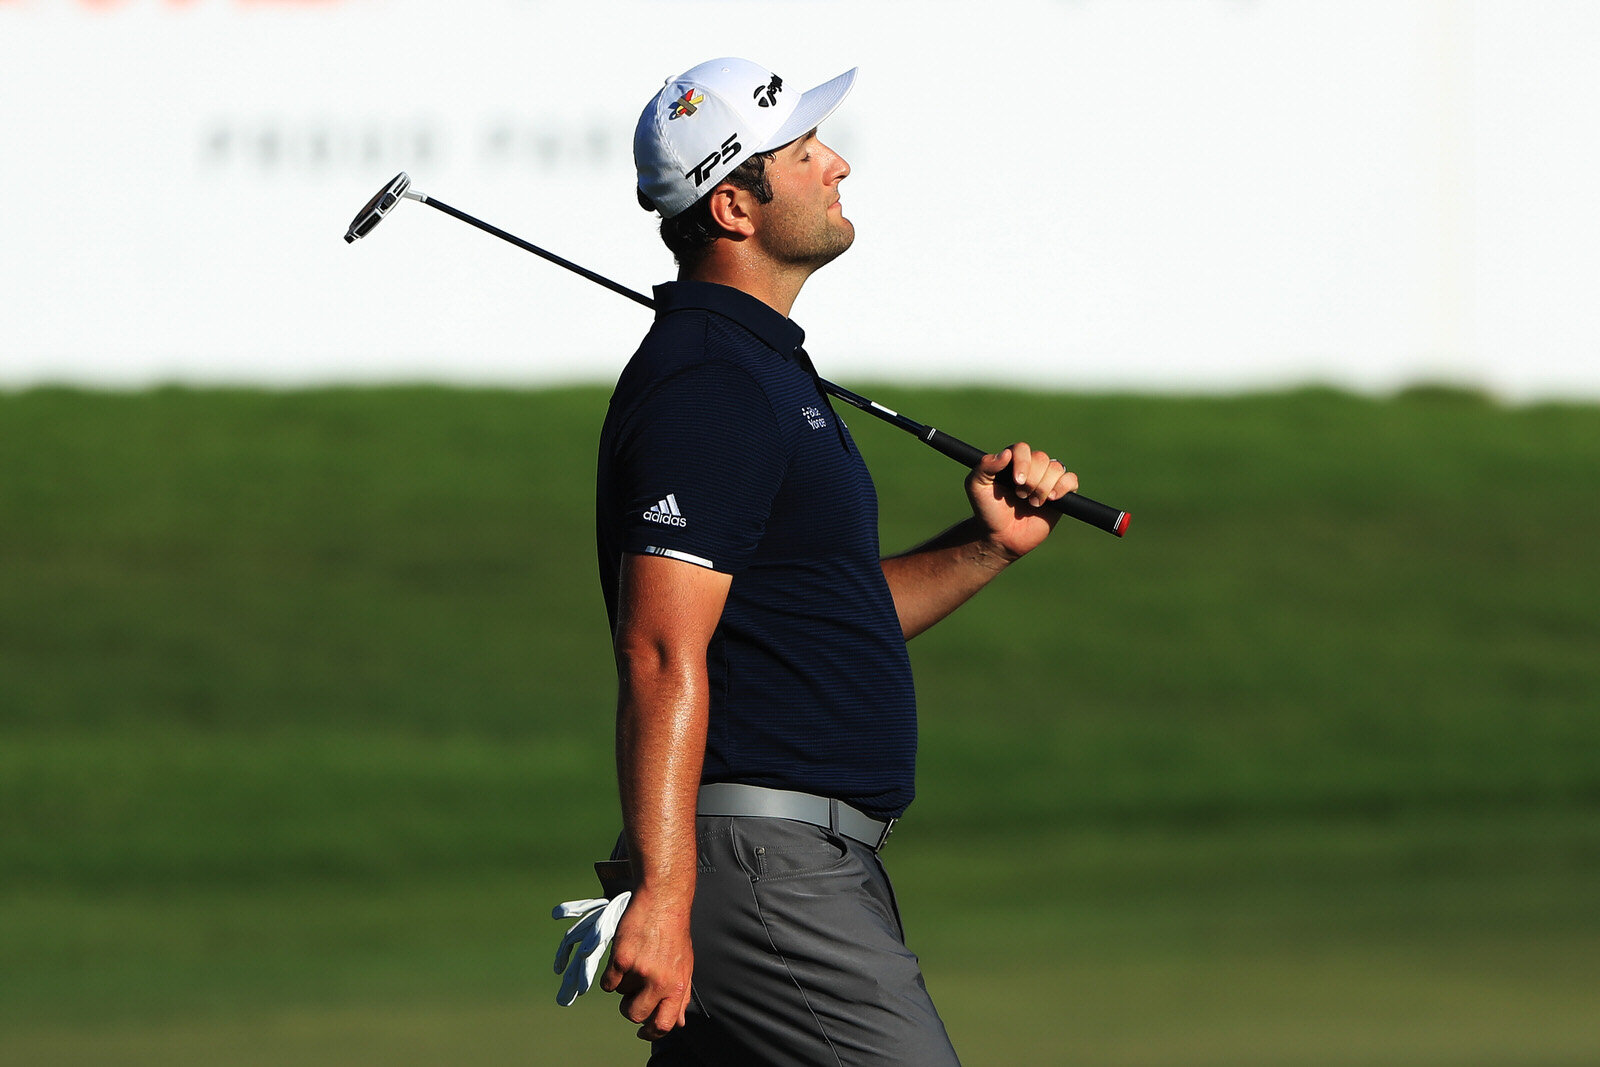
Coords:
pixel 814 417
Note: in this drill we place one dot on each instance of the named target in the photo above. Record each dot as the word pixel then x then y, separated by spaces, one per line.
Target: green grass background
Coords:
pixel 305 709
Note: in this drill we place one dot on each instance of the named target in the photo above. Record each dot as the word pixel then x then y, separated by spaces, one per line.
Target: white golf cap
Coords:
pixel 708 120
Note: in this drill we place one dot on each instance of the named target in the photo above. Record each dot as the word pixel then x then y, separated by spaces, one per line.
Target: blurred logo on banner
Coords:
pixel 330 144
pixel 111 7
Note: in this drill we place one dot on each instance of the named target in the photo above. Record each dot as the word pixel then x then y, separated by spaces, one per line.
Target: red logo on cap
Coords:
pixel 687 103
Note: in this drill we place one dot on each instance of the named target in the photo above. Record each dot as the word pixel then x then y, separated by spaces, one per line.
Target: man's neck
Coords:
pixel 735 267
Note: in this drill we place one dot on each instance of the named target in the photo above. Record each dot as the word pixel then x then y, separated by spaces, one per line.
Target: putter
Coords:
pixel 1096 514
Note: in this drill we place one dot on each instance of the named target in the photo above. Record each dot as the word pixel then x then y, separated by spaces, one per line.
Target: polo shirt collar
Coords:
pixel 781 334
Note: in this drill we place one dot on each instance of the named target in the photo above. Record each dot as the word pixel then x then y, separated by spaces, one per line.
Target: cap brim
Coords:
pixel 815 106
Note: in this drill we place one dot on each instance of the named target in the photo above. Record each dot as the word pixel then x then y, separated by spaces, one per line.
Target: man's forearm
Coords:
pixel 932 580
pixel 662 714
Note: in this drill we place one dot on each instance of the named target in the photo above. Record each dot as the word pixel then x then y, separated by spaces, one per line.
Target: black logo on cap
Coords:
pixel 703 169
pixel 767 95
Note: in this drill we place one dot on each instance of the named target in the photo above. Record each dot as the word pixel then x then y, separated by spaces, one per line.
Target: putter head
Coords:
pixel 378 207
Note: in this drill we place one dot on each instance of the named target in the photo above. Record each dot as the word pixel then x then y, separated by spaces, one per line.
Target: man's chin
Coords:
pixel 847 235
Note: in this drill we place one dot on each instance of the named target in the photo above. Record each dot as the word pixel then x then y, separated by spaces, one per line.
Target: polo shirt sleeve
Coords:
pixel 698 464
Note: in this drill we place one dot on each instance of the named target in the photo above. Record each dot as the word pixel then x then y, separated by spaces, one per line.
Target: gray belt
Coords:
pixel 732 798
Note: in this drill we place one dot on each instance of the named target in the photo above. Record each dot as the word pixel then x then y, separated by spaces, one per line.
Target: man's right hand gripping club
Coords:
pixel 652 960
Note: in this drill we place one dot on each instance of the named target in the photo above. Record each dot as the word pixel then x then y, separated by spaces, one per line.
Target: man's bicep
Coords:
pixel 697 464
pixel 668 605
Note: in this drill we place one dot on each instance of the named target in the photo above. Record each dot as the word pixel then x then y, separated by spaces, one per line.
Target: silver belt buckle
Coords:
pixel 883 838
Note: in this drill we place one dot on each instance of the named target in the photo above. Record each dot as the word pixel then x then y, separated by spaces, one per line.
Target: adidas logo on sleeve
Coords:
pixel 666 512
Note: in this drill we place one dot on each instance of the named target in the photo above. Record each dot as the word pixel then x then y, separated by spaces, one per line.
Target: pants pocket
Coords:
pixel 775 855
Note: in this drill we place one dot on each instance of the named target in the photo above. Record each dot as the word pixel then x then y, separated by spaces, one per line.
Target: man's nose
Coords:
pixel 840 166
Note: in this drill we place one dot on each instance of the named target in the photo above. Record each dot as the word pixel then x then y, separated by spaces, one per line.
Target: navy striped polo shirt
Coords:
pixel 720 450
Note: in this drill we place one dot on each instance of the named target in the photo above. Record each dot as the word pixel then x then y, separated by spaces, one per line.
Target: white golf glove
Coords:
pixel 591 935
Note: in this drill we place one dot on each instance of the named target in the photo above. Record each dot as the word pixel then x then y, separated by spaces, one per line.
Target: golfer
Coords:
pixel 766 721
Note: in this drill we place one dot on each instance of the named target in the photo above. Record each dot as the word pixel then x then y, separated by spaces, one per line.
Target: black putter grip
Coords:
pixel 1073 505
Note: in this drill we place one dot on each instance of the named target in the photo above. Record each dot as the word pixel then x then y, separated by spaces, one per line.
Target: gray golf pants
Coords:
pixel 799 957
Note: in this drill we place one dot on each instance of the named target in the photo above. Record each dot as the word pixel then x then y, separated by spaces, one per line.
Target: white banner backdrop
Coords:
pixel 1183 195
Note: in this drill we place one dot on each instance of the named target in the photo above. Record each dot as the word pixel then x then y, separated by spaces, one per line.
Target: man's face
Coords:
pixel 804 223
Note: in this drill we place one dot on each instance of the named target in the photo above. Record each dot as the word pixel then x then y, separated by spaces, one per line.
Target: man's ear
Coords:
pixel 730 209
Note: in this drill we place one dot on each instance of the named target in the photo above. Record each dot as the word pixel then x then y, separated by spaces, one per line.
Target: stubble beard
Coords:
pixel 809 244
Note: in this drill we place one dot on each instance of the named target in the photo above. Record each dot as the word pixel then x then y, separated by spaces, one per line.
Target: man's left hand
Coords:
pixel 1008 491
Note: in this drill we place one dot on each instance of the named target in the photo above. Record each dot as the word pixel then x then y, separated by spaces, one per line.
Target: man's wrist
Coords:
pixel 666 896
pixel 991 555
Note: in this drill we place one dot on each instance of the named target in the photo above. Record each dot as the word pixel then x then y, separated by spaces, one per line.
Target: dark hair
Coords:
pixel 692 231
